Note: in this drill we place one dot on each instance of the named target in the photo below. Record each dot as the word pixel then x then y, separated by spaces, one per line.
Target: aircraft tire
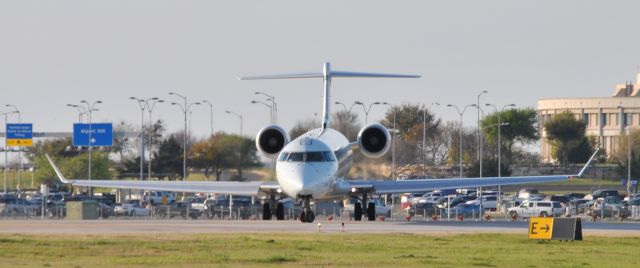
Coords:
pixel 357 211
pixel 371 211
pixel 266 212
pixel 280 212
pixel 310 217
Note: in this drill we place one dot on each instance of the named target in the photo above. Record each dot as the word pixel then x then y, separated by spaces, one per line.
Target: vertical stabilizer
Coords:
pixel 326 75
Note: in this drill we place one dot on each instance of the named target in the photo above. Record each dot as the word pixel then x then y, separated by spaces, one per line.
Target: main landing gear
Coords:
pixel 307 214
pixel 370 209
pixel 266 209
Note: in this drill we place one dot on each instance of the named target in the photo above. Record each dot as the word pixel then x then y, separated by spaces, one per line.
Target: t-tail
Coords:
pixel 326 75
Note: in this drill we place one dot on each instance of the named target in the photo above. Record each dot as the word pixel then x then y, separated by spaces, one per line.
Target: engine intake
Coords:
pixel 270 140
pixel 374 140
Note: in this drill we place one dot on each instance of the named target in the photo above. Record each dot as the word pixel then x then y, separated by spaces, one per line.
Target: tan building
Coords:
pixel 607 117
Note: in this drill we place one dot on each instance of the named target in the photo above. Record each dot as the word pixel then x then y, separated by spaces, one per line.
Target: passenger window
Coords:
pixel 530 205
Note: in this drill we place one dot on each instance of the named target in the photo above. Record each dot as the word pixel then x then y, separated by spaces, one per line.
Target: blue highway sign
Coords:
pixel 101 134
pixel 19 135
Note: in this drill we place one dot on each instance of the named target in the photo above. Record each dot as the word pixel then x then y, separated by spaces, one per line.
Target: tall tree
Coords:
pixel 346 123
pixel 168 159
pixel 565 133
pixel 303 126
pixel 212 155
pixel 519 126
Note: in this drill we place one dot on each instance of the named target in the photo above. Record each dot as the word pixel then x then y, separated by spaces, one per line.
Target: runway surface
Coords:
pixel 105 227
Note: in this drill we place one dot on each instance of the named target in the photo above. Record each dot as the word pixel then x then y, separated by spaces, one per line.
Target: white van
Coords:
pixel 537 209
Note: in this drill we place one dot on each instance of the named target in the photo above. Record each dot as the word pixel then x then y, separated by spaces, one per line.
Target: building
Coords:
pixel 607 118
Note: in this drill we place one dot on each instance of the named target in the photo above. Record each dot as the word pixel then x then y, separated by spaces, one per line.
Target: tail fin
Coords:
pixel 55 168
pixel 326 76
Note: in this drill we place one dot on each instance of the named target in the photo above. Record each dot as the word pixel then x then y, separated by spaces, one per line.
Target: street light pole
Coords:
pixel 366 111
pixel 5 149
pixel 499 133
pixel 151 103
pixel 628 153
pixel 460 131
pixel 211 115
pixel 142 107
pixel 393 141
pixel 239 116
pixel 185 110
pixel 479 135
pixel 268 106
pixel 424 139
pixel 90 109
pixel 274 109
pixel 15 110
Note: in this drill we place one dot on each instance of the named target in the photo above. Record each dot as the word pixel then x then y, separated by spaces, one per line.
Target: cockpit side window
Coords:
pixel 283 156
pixel 328 156
pixel 295 157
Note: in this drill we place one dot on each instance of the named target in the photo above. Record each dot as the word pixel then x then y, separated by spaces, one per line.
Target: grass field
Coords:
pixel 322 250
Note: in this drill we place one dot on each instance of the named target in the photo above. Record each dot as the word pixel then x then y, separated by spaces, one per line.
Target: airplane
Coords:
pixel 313 167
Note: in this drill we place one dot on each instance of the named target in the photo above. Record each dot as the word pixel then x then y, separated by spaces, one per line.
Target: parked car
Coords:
pixel 407 199
pixel 182 209
pixel 241 208
pixel 608 207
pixel 574 196
pixel 563 199
pixel 465 210
pixel 11 205
pixel 602 193
pixel 537 208
pixel 159 198
pixel 130 208
pixel 488 202
pixel 381 208
pixel 424 209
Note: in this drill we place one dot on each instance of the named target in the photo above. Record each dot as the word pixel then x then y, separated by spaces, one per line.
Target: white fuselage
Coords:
pixel 315 164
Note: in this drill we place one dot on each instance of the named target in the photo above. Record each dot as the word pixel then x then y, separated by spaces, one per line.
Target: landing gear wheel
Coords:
pixel 357 211
pixel 280 212
pixel 310 216
pixel 266 212
pixel 371 211
pixel 307 216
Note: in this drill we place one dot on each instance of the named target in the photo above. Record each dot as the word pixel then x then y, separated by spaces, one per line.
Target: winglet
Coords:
pixel 55 168
pixel 588 162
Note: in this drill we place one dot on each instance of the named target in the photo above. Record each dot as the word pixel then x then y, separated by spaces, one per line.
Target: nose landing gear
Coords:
pixel 307 214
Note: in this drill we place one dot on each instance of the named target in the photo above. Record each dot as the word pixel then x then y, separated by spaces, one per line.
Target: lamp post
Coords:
pixel 81 111
pixel 424 138
pixel 460 131
pixel 17 111
pixel 348 114
pixel 499 133
pixel 211 115
pixel 146 104
pixel 268 106
pixel 628 153
pixel 5 148
pixel 185 109
pixel 393 139
pixel 90 110
pixel 274 106
pixel 479 135
pixel 366 111
pixel 237 115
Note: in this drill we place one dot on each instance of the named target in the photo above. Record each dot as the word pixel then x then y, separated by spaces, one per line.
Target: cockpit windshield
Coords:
pixel 306 157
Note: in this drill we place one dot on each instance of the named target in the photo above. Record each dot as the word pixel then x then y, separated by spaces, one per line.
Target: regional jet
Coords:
pixel 314 166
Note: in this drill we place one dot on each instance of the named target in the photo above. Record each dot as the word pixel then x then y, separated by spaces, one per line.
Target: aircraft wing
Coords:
pixel 220 187
pixel 408 186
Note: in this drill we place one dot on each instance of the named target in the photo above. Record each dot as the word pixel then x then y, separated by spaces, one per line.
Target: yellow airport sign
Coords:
pixel 540 228
pixel 20 142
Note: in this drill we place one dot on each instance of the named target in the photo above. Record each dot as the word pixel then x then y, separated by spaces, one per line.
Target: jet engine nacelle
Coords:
pixel 270 140
pixel 374 140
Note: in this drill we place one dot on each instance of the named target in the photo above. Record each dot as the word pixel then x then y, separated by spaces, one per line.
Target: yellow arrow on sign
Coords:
pixel 540 228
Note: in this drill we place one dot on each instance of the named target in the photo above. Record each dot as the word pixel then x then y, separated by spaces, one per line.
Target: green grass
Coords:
pixel 321 250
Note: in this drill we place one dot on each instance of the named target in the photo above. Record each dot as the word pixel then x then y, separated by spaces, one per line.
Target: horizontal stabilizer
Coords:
pixel 282 76
pixel 371 75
